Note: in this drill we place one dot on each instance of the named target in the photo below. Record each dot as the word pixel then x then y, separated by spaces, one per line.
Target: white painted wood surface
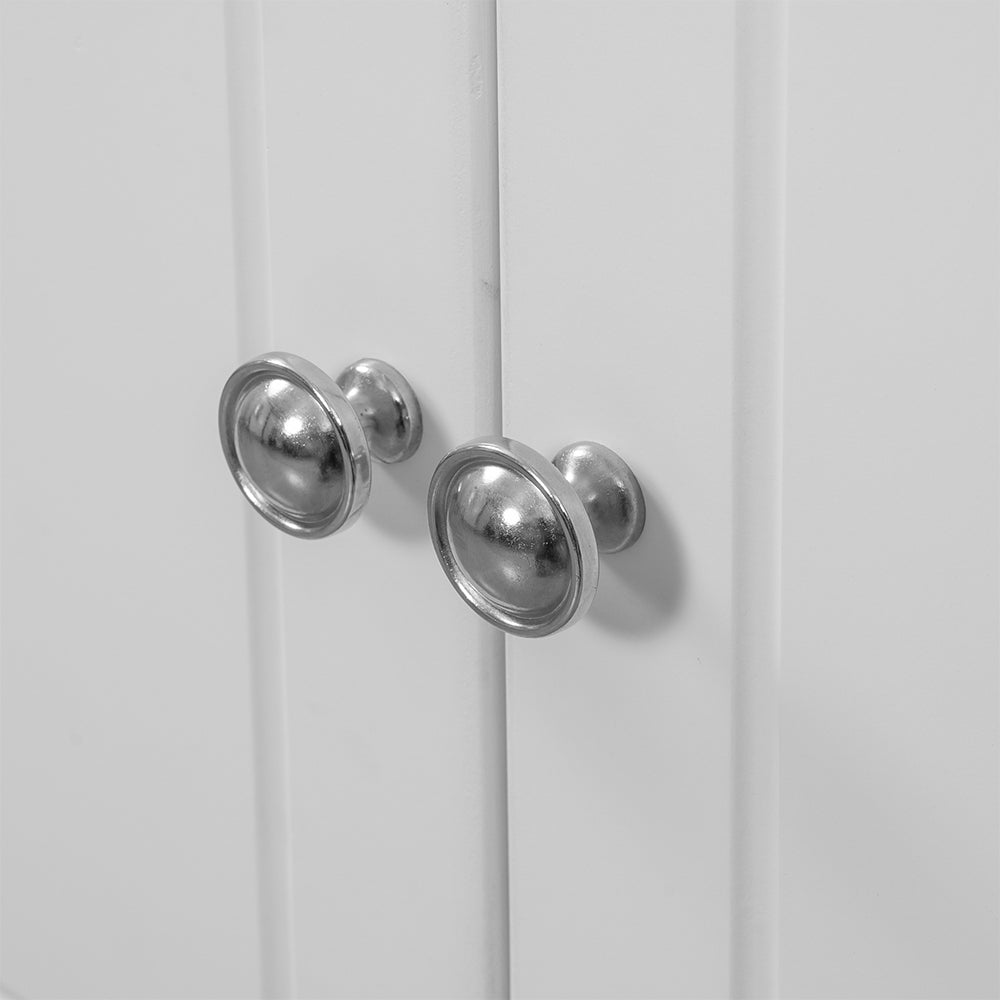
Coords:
pixel 127 832
pixel 380 123
pixel 889 696
pixel 761 263
pixel 759 248
pixel 832 488
pixel 616 205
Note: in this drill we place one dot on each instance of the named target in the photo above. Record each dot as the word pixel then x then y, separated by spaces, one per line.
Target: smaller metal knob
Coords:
pixel 519 536
pixel 299 443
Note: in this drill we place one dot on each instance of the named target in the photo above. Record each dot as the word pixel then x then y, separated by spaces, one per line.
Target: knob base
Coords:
pixel 610 492
pixel 387 407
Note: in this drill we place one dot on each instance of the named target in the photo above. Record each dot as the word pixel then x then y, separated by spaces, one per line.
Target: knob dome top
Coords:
pixel 513 537
pixel 294 445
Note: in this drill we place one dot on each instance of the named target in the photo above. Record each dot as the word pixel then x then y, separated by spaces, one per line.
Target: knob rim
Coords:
pixel 349 438
pixel 567 509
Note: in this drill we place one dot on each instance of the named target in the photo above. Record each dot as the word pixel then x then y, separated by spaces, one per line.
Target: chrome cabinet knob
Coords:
pixel 299 443
pixel 519 536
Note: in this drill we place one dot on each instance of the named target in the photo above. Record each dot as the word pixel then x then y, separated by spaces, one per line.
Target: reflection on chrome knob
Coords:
pixel 519 536
pixel 300 444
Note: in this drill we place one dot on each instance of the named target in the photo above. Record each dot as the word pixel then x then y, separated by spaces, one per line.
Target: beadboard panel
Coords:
pixel 127 773
pixel 382 189
pixel 889 694
pixel 758 256
pixel 616 132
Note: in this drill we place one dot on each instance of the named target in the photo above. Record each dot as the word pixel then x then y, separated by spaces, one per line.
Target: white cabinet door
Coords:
pixel 755 250
pixel 185 186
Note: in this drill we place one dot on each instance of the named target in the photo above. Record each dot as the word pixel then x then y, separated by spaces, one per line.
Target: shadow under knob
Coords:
pixel 299 444
pixel 519 537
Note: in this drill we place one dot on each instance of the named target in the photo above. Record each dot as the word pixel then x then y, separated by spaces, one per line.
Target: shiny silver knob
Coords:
pixel 519 536
pixel 299 443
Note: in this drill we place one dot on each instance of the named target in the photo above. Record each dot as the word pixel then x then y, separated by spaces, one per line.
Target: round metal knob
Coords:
pixel 299 443
pixel 519 536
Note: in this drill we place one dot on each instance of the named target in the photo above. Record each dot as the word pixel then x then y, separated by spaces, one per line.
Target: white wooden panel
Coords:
pixel 128 832
pixel 759 230
pixel 251 242
pixel 616 206
pixel 871 558
pixel 381 152
pixel 889 778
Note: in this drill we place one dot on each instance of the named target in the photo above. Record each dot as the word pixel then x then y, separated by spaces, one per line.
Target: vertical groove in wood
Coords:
pixel 761 43
pixel 485 245
pixel 485 192
pixel 500 184
pixel 265 595
pixel 500 419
